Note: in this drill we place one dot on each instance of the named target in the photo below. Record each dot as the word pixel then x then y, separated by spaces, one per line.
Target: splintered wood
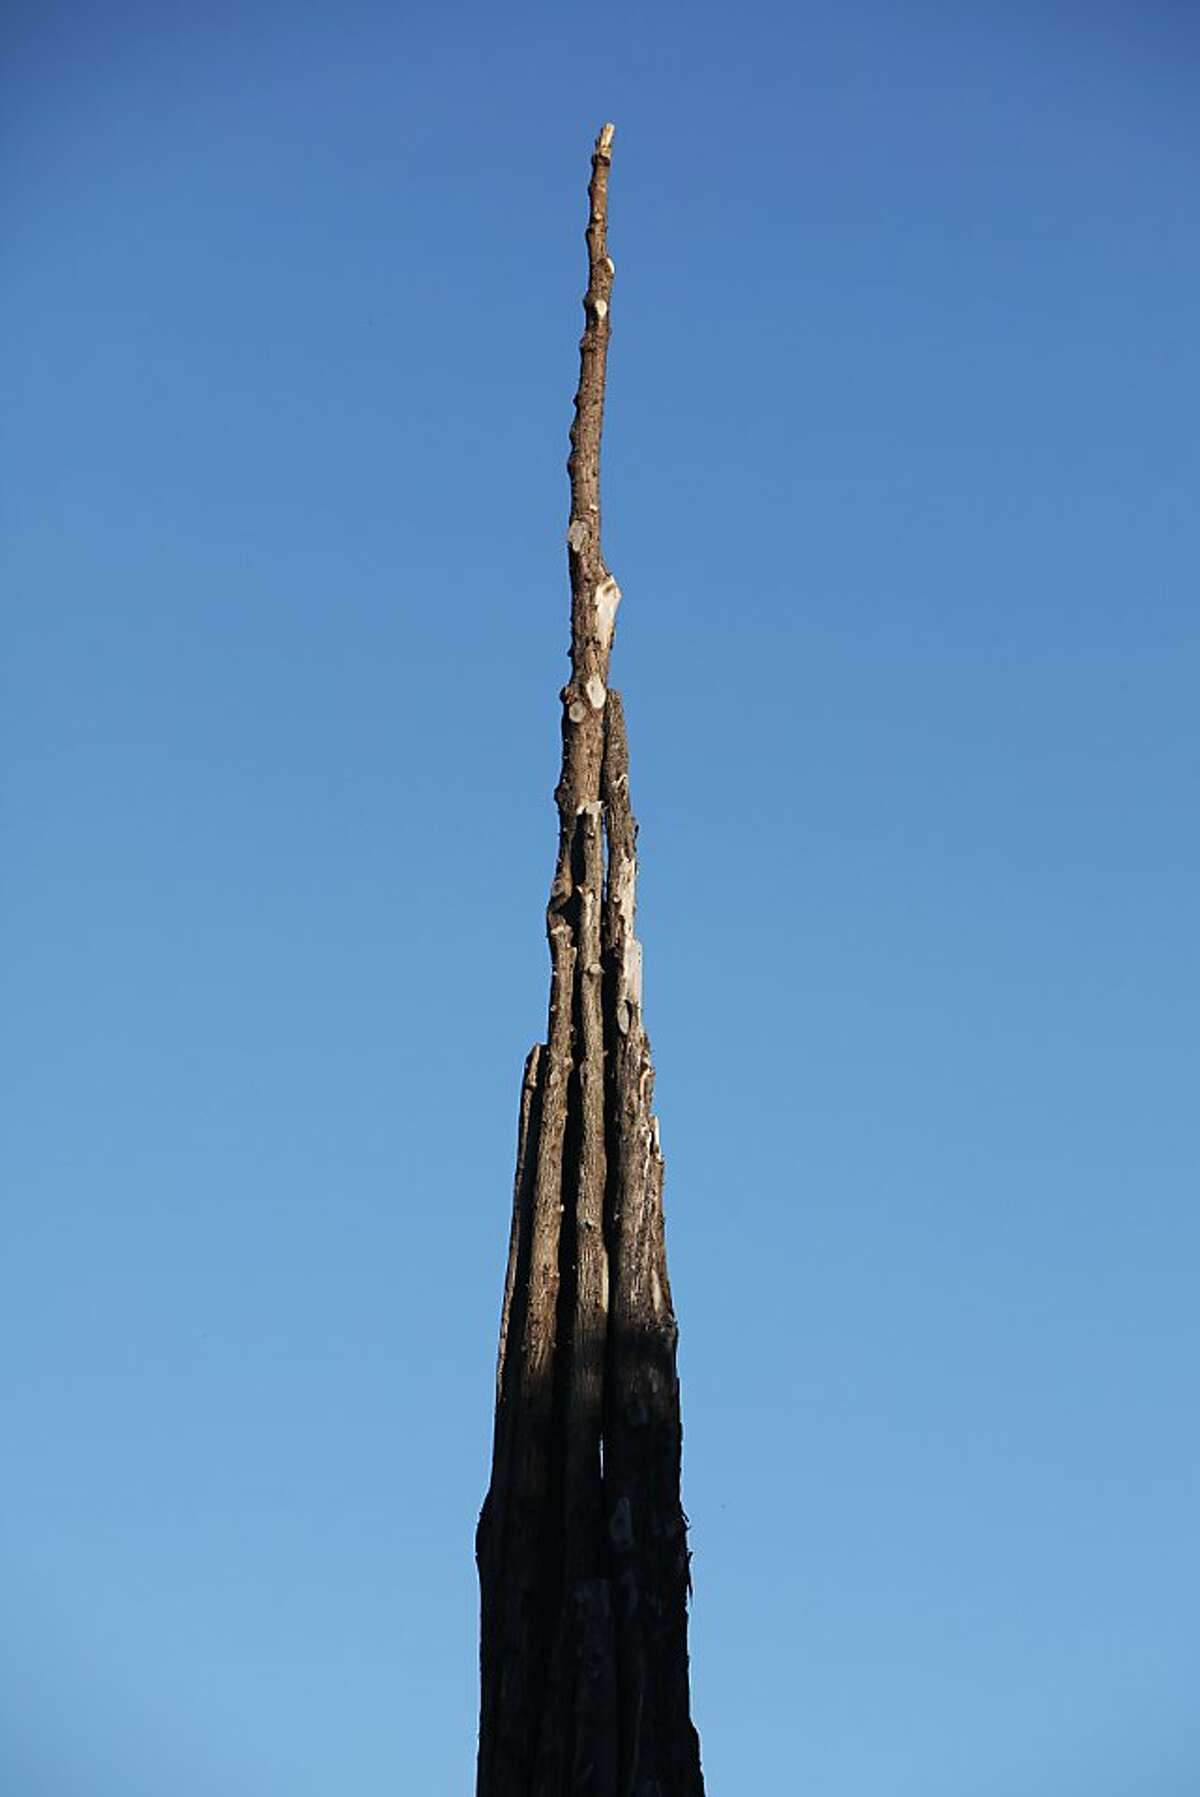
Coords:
pixel 582 1542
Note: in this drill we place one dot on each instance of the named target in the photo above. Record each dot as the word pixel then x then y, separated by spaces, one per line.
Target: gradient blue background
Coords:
pixel 901 489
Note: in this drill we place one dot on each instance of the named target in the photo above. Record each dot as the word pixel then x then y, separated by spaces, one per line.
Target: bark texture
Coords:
pixel 582 1541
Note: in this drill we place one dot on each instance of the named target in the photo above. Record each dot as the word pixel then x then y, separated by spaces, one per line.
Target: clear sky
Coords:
pixel 901 478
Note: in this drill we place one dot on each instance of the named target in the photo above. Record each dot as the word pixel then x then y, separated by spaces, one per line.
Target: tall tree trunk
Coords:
pixel 582 1542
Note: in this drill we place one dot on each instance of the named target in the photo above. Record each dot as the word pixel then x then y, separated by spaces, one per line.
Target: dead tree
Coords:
pixel 582 1542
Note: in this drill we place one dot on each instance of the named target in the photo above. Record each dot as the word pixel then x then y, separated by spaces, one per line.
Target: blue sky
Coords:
pixel 901 466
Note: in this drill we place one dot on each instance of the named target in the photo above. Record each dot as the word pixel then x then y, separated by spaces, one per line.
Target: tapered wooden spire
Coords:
pixel 582 1542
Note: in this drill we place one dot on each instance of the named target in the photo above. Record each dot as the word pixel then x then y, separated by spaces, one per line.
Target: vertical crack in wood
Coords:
pixel 581 1546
